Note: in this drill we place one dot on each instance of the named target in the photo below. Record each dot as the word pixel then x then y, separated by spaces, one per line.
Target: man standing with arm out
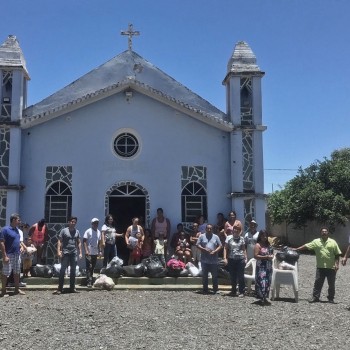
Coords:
pixel 67 249
pixel 327 263
pixel 209 244
pixel 11 245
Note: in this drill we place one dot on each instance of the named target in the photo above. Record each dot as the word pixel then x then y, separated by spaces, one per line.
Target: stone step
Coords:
pixel 139 283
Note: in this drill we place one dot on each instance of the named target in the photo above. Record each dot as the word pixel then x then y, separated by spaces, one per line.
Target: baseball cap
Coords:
pixel 95 220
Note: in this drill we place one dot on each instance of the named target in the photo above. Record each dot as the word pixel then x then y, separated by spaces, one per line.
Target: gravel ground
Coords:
pixel 177 319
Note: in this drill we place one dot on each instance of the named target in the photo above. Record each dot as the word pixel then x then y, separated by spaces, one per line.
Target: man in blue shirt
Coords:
pixel 209 245
pixel 11 245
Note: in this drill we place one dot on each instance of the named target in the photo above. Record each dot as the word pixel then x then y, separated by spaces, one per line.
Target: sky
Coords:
pixel 303 47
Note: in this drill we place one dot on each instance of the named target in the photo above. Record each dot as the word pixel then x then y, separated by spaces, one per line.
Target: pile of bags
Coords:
pixel 287 258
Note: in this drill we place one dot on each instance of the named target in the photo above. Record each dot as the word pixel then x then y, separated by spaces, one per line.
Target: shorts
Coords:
pixel 13 264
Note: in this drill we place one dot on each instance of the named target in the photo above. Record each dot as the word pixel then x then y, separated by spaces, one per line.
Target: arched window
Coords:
pixel 58 203
pixel 193 202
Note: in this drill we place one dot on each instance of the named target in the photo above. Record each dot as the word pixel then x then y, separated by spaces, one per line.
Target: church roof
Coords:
pixel 11 54
pixel 128 70
pixel 242 60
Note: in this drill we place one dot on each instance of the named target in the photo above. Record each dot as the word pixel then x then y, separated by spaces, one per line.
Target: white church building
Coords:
pixel 126 138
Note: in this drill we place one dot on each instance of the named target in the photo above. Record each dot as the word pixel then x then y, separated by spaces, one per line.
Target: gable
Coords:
pixel 127 71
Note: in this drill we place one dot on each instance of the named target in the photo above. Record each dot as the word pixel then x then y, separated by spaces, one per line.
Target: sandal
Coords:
pixel 20 292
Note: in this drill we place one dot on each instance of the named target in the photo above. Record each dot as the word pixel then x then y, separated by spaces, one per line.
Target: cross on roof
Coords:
pixel 130 33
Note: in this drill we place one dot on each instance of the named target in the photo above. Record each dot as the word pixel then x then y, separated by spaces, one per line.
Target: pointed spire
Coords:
pixel 11 54
pixel 242 59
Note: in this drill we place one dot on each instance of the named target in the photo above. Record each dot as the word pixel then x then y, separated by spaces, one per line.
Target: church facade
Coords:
pixel 126 138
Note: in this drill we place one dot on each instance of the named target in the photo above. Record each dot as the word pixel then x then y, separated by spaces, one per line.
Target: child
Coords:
pixel 183 250
pixel 136 244
pixel 159 247
pixel 28 256
pixel 147 244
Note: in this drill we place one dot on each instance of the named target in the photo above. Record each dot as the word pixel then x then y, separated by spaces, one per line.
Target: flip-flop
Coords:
pixel 20 292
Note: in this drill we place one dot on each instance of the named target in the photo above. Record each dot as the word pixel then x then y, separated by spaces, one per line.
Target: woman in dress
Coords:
pixel 235 257
pixel 263 253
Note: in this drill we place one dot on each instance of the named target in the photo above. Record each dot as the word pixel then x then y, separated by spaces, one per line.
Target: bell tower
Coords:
pixel 13 99
pixel 244 108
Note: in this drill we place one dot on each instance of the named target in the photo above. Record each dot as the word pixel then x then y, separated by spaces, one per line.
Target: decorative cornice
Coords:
pixel 6 122
pixel 246 195
pixel 12 187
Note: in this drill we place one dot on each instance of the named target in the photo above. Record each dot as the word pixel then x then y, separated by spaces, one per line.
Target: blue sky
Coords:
pixel 302 45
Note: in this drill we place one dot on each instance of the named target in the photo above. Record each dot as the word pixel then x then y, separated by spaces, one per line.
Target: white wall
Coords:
pixel 83 140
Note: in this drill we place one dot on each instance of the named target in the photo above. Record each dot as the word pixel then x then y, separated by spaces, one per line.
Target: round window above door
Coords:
pixel 126 144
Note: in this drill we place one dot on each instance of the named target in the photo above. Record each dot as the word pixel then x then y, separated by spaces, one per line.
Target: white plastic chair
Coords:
pixel 289 277
pixel 249 278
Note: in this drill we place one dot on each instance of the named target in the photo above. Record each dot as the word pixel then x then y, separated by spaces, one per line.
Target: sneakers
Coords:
pixel 216 292
pixel 240 295
pixel 314 300
pixel 89 285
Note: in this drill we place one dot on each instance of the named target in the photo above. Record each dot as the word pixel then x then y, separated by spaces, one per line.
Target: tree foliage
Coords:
pixel 319 193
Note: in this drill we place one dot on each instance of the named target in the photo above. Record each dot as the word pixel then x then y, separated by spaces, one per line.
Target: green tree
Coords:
pixel 319 193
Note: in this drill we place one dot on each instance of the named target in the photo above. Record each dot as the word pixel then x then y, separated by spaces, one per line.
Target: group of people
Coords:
pixel 204 246
pixel 236 248
pixel 18 241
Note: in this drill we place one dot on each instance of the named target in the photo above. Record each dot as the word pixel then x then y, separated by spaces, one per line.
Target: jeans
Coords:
pixel 68 260
pixel 236 269
pixel 321 274
pixel 90 267
pixel 109 253
pixel 213 269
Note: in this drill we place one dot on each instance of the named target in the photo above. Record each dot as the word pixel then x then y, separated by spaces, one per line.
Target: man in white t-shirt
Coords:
pixel 93 248
pixel 250 239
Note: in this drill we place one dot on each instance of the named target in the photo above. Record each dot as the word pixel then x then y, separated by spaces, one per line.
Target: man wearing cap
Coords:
pixel 68 246
pixel 93 248
pixel 250 239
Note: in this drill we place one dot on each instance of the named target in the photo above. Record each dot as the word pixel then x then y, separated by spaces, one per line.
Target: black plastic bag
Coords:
pixel 134 270
pixel 153 267
pixel 45 271
pixel 223 273
pixel 113 271
pixel 288 255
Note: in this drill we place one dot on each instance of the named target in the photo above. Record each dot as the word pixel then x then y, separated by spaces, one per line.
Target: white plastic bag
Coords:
pixel 285 266
pixel 192 269
pixel 104 282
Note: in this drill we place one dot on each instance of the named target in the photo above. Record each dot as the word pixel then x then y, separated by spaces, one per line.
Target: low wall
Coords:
pixel 296 238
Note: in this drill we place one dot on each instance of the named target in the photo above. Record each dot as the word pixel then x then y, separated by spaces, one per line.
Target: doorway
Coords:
pixel 125 208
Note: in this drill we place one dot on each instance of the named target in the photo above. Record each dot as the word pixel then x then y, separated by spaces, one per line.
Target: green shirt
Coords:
pixel 326 252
